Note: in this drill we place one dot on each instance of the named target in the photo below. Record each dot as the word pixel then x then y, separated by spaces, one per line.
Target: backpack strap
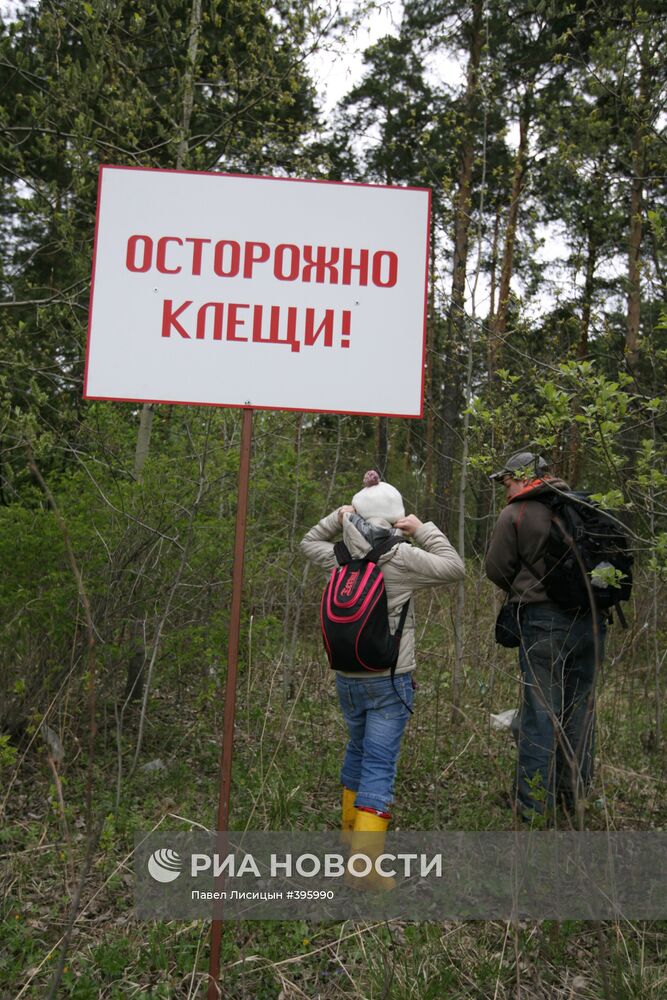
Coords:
pixel 384 546
pixel 623 622
pixel 530 568
pixel 401 621
pixel 397 635
pixel 344 556
pixel 342 553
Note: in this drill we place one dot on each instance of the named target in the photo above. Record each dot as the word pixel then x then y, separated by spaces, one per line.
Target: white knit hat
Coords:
pixel 378 499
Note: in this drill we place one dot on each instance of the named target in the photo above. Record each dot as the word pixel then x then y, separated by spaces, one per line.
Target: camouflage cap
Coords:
pixel 521 464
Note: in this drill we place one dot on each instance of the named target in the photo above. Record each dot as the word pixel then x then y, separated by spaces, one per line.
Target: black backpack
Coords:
pixel 584 537
pixel 353 613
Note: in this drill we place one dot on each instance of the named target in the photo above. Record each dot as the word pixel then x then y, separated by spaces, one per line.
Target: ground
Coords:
pixel 453 776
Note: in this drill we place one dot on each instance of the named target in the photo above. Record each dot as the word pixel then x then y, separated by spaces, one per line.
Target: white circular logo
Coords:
pixel 165 865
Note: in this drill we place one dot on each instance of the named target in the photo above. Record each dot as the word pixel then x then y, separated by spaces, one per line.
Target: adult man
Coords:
pixel 557 654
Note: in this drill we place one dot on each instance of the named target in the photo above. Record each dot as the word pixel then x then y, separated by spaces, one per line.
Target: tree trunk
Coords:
pixel 430 389
pixel 382 446
pixel 499 324
pixel 485 504
pixel 134 682
pixel 451 404
pixel 407 448
pixel 148 409
pixel 636 226
pixel 134 687
pixel 497 320
pixel 587 303
pixel 457 674
pixel 573 459
pixel 463 201
pixel 636 217
pixel 288 663
pixel 143 439
pixel 450 413
pixel 493 279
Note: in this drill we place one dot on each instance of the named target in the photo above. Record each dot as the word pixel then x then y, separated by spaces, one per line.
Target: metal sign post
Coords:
pixel 230 688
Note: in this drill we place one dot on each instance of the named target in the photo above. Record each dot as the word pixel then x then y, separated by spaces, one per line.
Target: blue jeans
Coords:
pixel 375 718
pixel 555 731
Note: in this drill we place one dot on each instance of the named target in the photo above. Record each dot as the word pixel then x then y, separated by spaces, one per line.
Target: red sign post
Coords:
pixel 230 688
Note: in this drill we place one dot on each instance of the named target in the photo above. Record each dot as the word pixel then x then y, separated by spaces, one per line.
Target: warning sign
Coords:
pixel 258 291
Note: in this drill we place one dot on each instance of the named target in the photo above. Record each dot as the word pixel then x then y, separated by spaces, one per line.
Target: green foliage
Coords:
pixel 611 500
pixel 607 576
pixel 8 753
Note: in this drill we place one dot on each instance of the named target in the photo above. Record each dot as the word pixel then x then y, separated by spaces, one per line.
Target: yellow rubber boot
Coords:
pixel 348 816
pixel 368 838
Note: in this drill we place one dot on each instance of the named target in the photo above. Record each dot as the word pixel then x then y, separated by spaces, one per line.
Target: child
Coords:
pixel 376 706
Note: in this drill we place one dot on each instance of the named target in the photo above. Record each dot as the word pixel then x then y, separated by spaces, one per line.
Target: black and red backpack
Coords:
pixel 353 613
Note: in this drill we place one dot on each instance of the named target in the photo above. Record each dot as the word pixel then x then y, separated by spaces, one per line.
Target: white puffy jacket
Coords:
pixel 406 568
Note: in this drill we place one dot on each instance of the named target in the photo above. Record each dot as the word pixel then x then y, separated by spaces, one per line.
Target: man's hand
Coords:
pixel 347 508
pixel 409 524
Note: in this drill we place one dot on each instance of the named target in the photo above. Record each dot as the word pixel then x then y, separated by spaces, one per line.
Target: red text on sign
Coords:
pixel 241 322
pixel 195 255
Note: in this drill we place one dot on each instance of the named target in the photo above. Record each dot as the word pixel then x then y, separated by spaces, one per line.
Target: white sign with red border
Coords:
pixel 268 292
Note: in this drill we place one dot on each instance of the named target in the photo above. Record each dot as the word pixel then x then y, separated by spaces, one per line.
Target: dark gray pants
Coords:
pixel 555 738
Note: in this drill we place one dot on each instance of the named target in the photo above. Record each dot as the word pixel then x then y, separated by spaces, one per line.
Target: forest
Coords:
pixel 539 126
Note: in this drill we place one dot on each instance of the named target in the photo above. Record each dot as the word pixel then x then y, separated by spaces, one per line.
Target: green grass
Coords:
pixel 285 776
